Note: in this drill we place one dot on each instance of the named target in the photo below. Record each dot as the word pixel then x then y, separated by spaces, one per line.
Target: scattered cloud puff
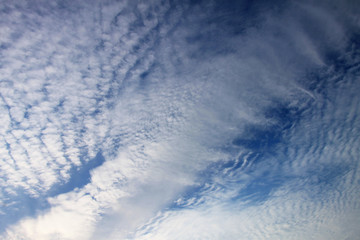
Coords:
pixel 189 120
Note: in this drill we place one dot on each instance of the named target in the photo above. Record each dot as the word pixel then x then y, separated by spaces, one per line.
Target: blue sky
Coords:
pixel 179 119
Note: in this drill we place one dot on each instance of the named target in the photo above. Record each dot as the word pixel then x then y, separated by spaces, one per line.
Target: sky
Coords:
pixel 178 119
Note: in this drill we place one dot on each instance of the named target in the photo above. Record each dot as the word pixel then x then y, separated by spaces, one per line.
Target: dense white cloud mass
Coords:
pixel 179 120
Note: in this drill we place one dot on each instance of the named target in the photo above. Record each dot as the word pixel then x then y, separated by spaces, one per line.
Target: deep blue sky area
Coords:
pixel 131 119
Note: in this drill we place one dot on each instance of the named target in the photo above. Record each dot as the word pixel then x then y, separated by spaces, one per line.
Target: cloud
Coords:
pixel 316 201
pixel 227 119
pixel 62 221
pixel 285 215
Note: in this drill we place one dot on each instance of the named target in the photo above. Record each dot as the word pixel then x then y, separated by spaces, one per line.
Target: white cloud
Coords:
pixel 74 83
pixel 286 215
pixel 70 220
